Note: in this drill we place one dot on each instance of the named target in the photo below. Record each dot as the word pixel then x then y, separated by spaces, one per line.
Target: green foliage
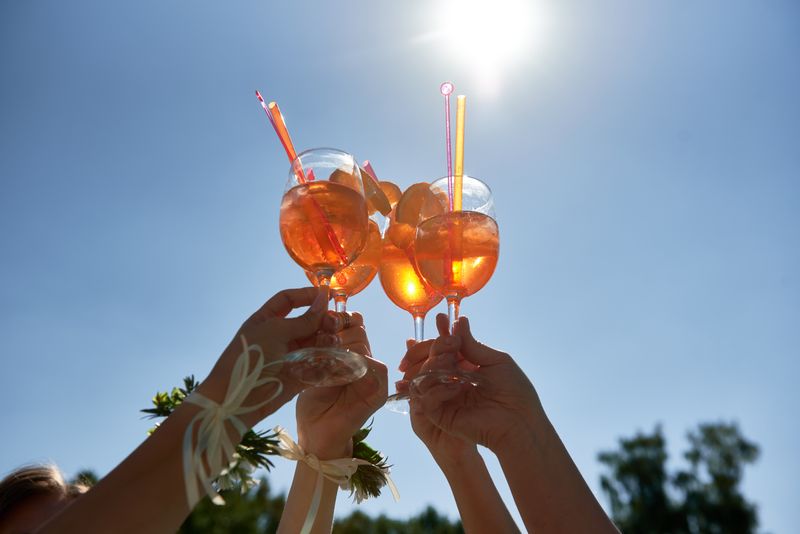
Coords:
pixel 705 498
pixel 86 477
pixel 254 450
pixel 368 480
pixel 250 512
pixel 427 522
pixel 258 512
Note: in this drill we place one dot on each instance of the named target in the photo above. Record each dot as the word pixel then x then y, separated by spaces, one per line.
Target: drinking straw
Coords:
pixel 446 89
pixel 456 243
pixel 458 179
pixel 279 125
pixel 327 235
pixel 264 106
pixel 368 167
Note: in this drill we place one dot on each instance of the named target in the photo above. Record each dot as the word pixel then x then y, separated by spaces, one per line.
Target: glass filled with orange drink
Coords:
pixel 456 252
pixel 324 226
pixel 398 271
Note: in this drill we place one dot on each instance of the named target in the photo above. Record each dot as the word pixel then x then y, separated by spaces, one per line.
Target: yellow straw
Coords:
pixel 458 175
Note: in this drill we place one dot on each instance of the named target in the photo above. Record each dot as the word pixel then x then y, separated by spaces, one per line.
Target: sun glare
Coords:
pixel 490 37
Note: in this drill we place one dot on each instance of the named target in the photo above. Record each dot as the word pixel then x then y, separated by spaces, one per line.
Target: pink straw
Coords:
pixel 264 105
pixel 368 167
pixel 446 89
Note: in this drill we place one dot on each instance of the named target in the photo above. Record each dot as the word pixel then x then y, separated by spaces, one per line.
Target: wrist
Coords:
pixel 458 460
pixel 529 436
pixel 325 449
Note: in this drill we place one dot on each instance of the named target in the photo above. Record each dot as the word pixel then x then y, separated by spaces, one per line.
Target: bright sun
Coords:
pixel 491 36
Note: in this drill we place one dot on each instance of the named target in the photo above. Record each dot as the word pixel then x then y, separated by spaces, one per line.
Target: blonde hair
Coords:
pixel 34 481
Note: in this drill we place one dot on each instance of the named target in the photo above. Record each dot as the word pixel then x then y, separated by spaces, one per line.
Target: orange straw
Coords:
pixel 325 235
pixel 458 178
pixel 455 229
pixel 283 135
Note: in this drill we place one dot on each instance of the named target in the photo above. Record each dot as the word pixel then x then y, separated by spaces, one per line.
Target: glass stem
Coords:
pixel 340 301
pixel 419 328
pixel 324 279
pixel 453 305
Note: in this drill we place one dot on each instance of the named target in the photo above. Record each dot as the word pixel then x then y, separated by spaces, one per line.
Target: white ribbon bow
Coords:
pixel 339 471
pixel 213 440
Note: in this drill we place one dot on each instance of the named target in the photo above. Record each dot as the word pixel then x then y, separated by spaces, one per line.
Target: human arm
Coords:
pixel 504 413
pixel 147 491
pixel 479 503
pixel 327 418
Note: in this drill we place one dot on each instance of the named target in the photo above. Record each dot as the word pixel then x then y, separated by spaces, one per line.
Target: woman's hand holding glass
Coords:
pixel 447 449
pixel 327 417
pixel 276 335
pixel 503 409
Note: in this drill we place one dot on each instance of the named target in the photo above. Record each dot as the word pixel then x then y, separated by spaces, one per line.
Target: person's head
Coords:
pixel 31 495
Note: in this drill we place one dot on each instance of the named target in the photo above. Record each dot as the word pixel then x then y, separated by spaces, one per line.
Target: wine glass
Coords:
pixel 404 286
pixel 357 276
pixel 398 272
pixel 324 226
pixel 456 253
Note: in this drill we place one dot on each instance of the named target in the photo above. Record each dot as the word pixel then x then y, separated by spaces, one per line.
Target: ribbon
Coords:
pixel 339 471
pixel 214 447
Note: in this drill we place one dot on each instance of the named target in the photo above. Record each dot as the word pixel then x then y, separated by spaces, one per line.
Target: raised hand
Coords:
pixel 327 417
pixel 503 403
pixel 445 448
pixel 276 336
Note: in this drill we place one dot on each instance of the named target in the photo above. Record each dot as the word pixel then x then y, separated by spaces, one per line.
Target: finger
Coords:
pixel 412 371
pixel 359 348
pixel 445 361
pixel 401 386
pixel 379 370
pixel 445 345
pixel 442 324
pixel 305 325
pixel 468 366
pixel 474 351
pixel 287 300
pixel 417 353
pixel 354 335
pixel 376 378
pixel 435 394
pixel 336 321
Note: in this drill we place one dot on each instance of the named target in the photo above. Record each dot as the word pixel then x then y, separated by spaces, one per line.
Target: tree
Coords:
pixel 251 512
pixel 427 522
pixel 704 498
pixel 257 512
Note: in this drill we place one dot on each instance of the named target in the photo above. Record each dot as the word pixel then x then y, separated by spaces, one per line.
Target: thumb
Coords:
pixel 442 324
pixel 307 324
pixel 474 351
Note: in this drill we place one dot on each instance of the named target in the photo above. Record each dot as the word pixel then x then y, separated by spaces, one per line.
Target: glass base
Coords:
pixel 398 403
pixel 325 366
pixel 425 382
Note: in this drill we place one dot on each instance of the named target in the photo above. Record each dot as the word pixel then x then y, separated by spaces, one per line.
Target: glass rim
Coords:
pixel 484 184
pixel 321 148
pixel 489 201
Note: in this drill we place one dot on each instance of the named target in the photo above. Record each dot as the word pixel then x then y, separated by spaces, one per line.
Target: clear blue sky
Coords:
pixel 645 158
